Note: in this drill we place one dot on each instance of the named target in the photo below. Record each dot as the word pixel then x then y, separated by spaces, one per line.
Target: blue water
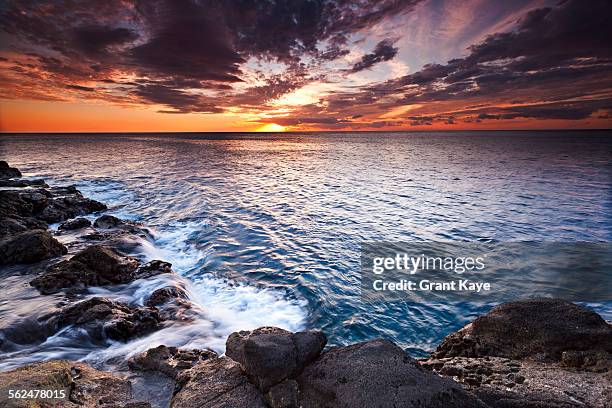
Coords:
pixel 266 228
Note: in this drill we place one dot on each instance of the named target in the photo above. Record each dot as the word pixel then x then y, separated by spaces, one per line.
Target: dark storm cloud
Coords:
pixel 552 54
pixel 180 101
pixel 203 41
pixel 95 39
pixel 188 41
pixel 384 51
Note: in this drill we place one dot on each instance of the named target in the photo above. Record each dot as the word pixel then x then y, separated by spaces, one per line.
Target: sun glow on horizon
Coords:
pixel 271 127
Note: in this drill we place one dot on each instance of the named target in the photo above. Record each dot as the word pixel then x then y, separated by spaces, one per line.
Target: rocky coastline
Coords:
pixel 527 353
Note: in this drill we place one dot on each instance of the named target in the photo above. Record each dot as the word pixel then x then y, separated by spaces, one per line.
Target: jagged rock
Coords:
pixel 93 266
pixel 23 183
pixel 376 373
pixel 216 383
pixel 7 172
pixel 103 318
pixel 70 206
pixel 165 295
pixel 507 383
pixel 83 386
pixel 169 361
pixel 29 247
pixel 49 205
pixel 75 224
pixel 152 268
pixel 540 329
pixel 270 355
pixel 16 224
pixel 107 222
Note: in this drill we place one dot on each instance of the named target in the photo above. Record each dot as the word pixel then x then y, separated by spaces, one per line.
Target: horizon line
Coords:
pixel 314 131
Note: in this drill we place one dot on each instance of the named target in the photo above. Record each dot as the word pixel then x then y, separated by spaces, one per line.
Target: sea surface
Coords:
pixel 265 229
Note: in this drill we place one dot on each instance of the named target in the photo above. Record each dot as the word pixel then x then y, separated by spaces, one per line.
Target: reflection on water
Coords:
pixel 266 229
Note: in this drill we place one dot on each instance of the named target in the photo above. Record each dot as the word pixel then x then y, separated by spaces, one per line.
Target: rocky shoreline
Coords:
pixel 527 353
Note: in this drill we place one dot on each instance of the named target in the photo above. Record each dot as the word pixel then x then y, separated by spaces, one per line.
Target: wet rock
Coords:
pixel 69 206
pixel 94 266
pixel 75 224
pixel 376 374
pixel 15 203
pixel 16 224
pixel 7 172
pixel 219 383
pixel 49 205
pixel 540 329
pixel 103 318
pixel 107 222
pixel 82 386
pixel 152 268
pixel 269 355
pixel 169 361
pixel 165 295
pixel 29 247
pixel 23 183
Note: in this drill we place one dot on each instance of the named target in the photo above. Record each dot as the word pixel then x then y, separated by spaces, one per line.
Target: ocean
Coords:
pixel 266 229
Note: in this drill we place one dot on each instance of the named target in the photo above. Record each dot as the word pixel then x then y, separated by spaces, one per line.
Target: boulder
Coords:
pixel 507 383
pixel 107 222
pixel 152 268
pixel 29 247
pixel 269 355
pixel 165 295
pixel 75 224
pixel 7 172
pixel 81 385
pixel 540 329
pixel 376 373
pixel 169 361
pixel 103 318
pixel 94 266
pixel 216 383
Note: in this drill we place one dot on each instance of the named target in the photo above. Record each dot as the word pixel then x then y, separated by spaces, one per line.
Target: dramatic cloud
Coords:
pixel 384 51
pixel 307 64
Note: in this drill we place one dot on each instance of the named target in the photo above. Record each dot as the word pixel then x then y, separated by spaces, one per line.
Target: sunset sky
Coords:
pixel 179 65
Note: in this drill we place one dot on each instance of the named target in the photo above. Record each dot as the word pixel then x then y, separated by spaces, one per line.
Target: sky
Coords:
pixel 304 65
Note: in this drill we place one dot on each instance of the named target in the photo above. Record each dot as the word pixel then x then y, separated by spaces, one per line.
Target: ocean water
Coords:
pixel 265 229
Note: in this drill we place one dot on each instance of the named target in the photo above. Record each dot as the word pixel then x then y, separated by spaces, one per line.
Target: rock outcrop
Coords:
pixel 508 383
pixel 94 266
pixel 218 383
pixel 77 385
pixel 28 247
pixel 543 353
pixel 376 373
pixel 540 329
pixel 169 361
pixel 269 355
pixel 103 319
pixel 7 172
pixel 75 224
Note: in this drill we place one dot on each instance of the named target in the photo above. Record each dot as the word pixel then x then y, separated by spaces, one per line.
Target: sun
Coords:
pixel 270 127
